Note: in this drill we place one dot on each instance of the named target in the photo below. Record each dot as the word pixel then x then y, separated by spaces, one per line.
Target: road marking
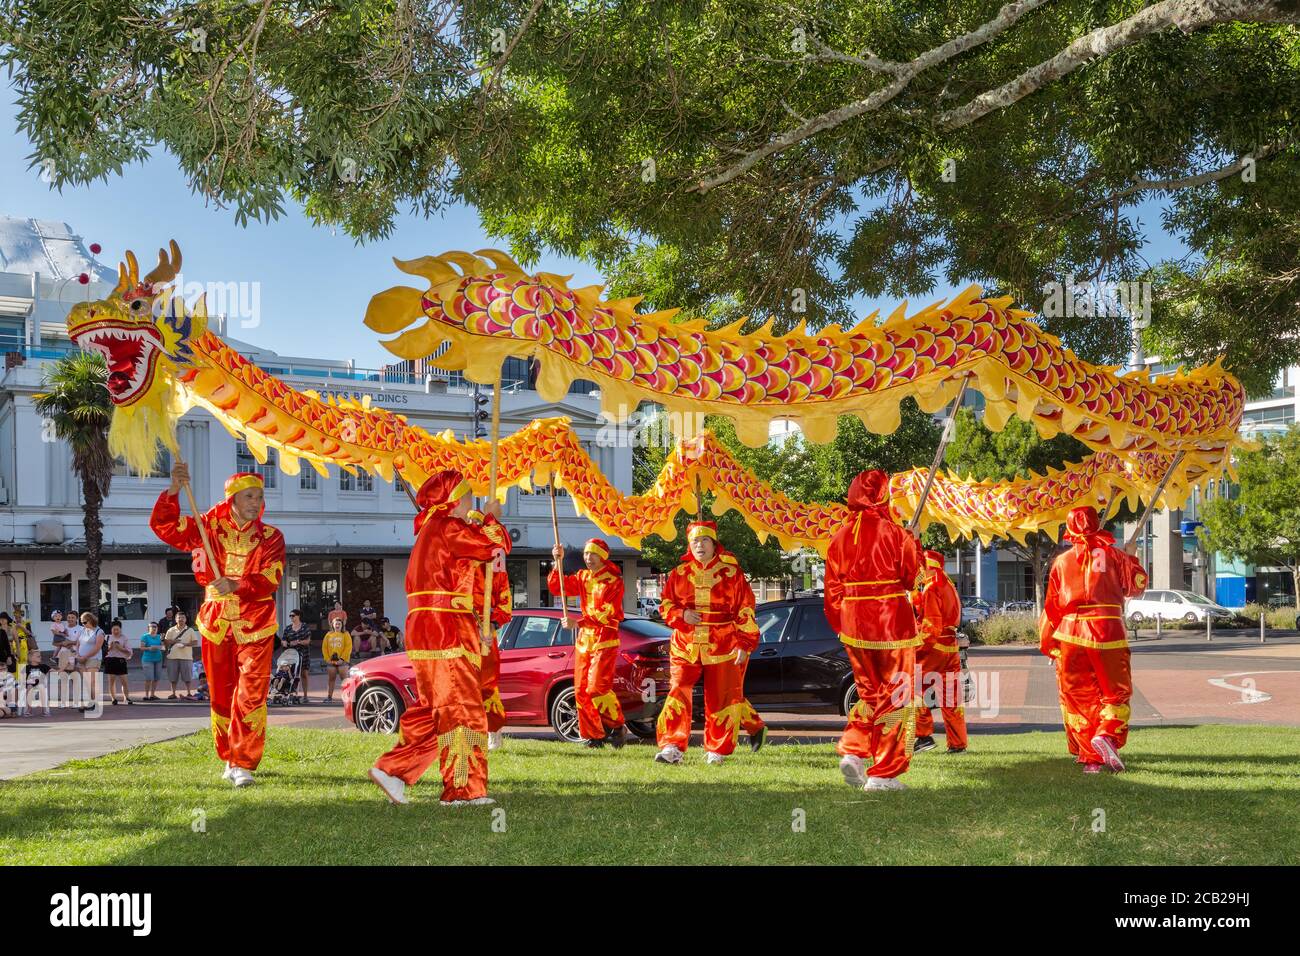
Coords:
pixel 1249 694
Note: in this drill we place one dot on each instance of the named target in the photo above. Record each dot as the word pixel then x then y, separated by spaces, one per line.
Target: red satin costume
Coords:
pixel 871 568
pixel 502 608
pixel 596 648
pixel 1082 629
pixel 720 593
pixel 938 609
pixel 238 628
pixel 442 642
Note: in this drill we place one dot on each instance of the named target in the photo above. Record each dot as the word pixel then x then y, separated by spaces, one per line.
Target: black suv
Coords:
pixel 800 664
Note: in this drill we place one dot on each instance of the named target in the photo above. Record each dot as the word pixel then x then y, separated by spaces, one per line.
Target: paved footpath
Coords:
pixel 1179 679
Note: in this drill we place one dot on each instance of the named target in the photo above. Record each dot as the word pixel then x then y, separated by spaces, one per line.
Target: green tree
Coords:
pixel 1261 523
pixel 740 155
pixel 75 401
pixel 1014 452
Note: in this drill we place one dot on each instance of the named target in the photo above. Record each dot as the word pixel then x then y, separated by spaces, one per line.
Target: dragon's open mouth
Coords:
pixel 131 352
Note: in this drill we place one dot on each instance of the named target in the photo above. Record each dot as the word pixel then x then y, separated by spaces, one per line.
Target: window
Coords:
pixel 771 623
pixel 362 481
pixel 162 467
pixel 813 625
pixel 132 598
pixel 535 631
pixel 244 461
pixel 56 595
pixel 307 479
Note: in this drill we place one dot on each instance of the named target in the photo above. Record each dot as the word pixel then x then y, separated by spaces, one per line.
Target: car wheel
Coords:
pixel 850 698
pixel 643 729
pixel 564 714
pixel 378 710
pixel 1135 618
pixel 1190 617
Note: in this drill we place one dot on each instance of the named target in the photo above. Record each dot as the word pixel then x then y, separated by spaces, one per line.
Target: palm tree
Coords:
pixel 75 400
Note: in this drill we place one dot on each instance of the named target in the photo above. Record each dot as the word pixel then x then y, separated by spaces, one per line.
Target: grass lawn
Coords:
pixel 1199 795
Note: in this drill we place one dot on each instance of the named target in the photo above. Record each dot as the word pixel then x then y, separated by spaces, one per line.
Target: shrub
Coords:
pixel 1007 627
pixel 1282 618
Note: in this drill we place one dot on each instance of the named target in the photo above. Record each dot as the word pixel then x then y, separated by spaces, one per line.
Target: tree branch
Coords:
pixel 1186 15
pixel 903 74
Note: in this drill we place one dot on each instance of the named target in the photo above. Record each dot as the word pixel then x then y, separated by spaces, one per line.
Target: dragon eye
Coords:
pixel 137 304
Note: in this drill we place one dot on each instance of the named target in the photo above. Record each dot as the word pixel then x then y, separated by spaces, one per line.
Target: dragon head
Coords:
pixel 145 333
pixel 142 329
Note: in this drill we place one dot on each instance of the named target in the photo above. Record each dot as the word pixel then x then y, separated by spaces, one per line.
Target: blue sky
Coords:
pixel 314 284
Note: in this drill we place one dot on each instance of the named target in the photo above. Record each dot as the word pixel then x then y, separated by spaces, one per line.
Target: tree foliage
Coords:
pixel 738 156
pixel 1261 524
pixel 74 399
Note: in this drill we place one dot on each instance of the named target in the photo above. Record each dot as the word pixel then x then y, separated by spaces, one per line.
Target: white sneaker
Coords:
pixel 394 787
pixel 241 777
pixel 854 774
pixel 230 769
pixel 712 758
pixel 453 803
pixel 884 783
pixel 669 754
pixel 495 739
pixel 481 802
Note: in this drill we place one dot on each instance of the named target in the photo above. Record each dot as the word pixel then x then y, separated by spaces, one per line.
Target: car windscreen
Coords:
pixel 1193 598
pixel 651 629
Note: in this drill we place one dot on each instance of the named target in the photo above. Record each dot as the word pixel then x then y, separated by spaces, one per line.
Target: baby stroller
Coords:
pixel 286 684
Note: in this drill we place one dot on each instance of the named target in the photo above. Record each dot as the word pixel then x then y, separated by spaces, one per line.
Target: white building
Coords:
pixel 347 538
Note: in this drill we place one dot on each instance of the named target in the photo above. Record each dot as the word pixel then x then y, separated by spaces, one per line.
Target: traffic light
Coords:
pixel 480 414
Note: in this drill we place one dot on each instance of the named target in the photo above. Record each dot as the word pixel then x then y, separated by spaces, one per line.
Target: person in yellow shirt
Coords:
pixel 336 650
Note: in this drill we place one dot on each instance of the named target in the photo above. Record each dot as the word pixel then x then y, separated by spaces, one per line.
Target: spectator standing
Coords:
pixel 90 641
pixel 336 651
pixel 117 657
pixel 168 620
pixel 298 635
pixel 8 648
pixel 151 660
pixel 180 642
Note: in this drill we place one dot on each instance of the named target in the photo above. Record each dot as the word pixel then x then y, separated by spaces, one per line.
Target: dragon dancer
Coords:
pixel 938 660
pixel 502 608
pixel 237 621
pixel 1082 630
pixel 449 724
pixel 709 605
pixel 870 567
pixel 599 587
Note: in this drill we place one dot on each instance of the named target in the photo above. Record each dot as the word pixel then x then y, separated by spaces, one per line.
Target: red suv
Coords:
pixel 536 677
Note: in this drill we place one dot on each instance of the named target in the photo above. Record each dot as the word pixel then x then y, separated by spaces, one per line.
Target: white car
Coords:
pixel 649 606
pixel 1173 606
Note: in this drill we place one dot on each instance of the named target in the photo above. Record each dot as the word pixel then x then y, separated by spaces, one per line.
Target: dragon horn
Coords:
pixel 132 270
pixel 167 268
pixel 123 282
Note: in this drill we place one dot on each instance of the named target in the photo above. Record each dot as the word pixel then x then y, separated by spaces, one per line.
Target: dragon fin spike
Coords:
pixel 432 268
pixel 500 261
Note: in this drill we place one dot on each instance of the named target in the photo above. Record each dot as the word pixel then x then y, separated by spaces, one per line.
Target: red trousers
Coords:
pixel 489 676
pixel 882 724
pixel 448 725
pixel 239 677
pixel 1096 687
pixel 941 687
pixel 599 711
pixel 726 711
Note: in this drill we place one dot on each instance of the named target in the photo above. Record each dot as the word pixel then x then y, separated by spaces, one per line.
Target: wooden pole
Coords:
pixel 1131 545
pixel 407 488
pixel 492 496
pixel 699 499
pixel 203 531
pixel 555 529
pixel 948 428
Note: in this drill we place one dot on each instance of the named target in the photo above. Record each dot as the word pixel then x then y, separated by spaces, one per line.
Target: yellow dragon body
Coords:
pixel 162 361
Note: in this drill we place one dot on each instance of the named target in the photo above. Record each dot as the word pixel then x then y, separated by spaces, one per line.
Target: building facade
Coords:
pixel 347 537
